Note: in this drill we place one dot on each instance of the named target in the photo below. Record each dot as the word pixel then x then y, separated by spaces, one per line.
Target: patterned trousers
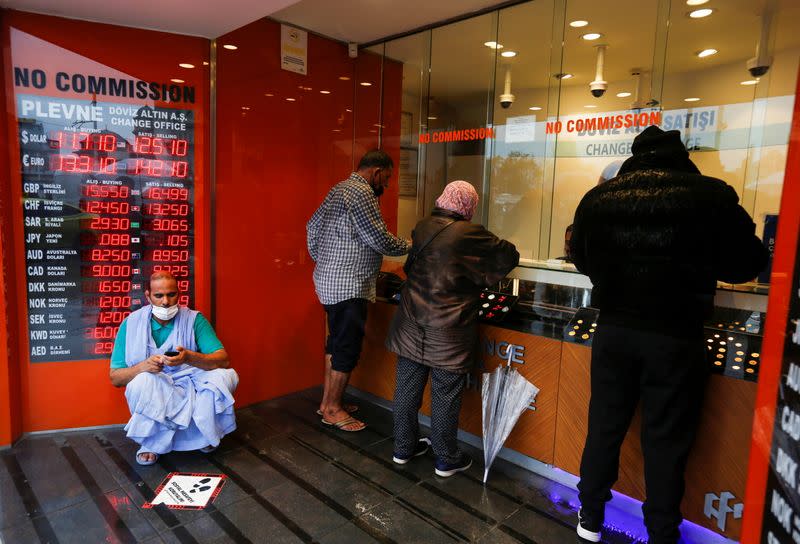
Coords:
pixel 446 391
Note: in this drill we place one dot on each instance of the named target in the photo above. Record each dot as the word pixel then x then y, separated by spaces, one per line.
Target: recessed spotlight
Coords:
pixel 590 106
pixel 534 108
pixel 176 80
pixel 432 118
pixel 245 107
pixel 707 53
pixel 749 82
pixel 562 75
pixel 230 47
pixel 324 92
pixel 692 99
pixel 493 45
pixel 186 65
pixel 695 2
pixel 344 78
pixel 205 63
pixel 291 99
pixel 623 94
pixel 578 24
pixel 700 13
pixel 348 110
pixel 268 94
pixel 508 54
pixel 591 36
pixel 365 84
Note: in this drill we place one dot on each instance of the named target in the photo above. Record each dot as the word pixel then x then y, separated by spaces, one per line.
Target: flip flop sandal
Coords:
pixel 350 409
pixel 341 424
pixel 208 449
pixel 146 463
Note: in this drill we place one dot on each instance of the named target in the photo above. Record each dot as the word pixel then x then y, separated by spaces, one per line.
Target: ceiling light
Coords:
pixel 176 80
pixel 493 45
pixel 245 107
pixel 695 2
pixel 707 53
pixel 432 118
pixel 344 78
pixel 324 92
pixel 562 75
pixel 534 108
pixel 578 24
pixel 230 47
pixel 186 65
pixel 365 84
pixel 268 94
pixel 591 36
pixel 590 106
pixel 692 99
pixel 508 54
pixel 348 109
pixel 291 99
pixel 700 13
pixel 205 63
pixel 623 95
pixel 749 82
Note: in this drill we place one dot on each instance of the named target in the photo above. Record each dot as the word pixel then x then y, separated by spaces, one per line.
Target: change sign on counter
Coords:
pixel 107 198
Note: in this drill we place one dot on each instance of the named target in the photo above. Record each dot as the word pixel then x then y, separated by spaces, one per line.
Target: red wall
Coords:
pixel 78 394
pixel 10 411
pixel 276 160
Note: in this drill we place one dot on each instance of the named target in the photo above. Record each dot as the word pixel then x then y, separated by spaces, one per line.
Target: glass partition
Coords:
pixel 538 102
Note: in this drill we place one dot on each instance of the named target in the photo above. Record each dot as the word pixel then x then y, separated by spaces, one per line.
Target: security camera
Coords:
pixel 506 100
pixel 758 66
pixel 598 88
pixel 599 85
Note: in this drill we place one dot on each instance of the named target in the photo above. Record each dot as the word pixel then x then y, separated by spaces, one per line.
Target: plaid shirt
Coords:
pixel 347 238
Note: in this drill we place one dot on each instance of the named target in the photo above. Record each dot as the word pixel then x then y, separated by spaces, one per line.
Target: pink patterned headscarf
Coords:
pixel 460 197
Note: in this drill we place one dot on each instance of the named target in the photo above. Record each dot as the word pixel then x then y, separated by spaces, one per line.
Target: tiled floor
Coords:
pixel 290 480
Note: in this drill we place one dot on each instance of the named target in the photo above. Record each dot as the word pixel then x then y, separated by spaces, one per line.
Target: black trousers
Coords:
pixel 668 373
pixel 446 393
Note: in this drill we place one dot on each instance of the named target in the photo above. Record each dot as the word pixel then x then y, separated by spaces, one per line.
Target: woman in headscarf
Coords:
pixel 435 328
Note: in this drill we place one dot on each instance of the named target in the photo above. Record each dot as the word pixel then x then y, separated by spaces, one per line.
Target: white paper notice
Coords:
pixel 187 491
pixel 294 50
pixel 521 129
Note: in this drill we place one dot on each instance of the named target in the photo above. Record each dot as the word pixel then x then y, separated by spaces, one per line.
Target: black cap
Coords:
pixel 654 148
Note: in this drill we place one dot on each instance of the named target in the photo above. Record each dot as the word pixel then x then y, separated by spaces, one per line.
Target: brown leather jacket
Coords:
pixel 436 323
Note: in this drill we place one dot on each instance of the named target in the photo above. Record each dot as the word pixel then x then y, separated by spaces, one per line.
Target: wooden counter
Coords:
pixel 555 432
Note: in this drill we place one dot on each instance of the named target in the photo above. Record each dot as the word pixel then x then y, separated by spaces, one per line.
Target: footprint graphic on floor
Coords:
pixel 197 486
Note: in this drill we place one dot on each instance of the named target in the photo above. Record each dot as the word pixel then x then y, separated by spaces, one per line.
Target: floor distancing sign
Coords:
pixel 187 490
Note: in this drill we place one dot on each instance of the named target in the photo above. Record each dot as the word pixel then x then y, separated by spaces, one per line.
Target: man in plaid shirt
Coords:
pixel 347 239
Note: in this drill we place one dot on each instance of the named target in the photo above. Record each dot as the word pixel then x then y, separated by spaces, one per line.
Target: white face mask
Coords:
pixel 165 314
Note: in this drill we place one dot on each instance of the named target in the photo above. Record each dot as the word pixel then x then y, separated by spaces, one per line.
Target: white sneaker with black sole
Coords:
pixel 422 448
pixel 588 528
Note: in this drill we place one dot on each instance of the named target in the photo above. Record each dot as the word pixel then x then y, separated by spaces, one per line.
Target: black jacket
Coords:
pixel 655 242
pixel 436 323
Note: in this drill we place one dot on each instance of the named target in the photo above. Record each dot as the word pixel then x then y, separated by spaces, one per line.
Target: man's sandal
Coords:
pixel 143 462
pixel 349 408
pixel 341 424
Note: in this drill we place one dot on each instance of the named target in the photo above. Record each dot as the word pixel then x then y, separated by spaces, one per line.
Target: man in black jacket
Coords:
pixel 654 241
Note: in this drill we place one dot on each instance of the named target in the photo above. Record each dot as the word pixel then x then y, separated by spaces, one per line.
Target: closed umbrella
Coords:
pixel 505 394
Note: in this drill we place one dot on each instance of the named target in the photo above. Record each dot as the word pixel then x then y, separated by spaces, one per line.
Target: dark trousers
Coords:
pixel 668 374
pixel 446 392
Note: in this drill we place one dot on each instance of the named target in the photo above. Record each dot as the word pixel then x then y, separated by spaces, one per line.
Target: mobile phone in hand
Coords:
pixel 171 353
